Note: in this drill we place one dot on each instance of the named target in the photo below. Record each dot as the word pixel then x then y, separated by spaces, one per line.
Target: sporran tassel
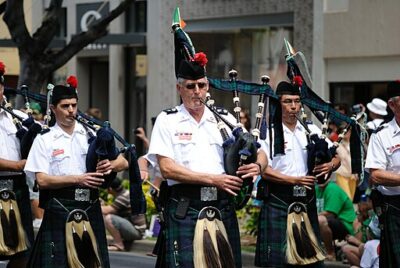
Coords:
pixel 302 246
pixel 3 247
pixel 309 249
pixel 17 228
pixel 211 247
pixel 224 248
pixel 79 236
pixel 8 238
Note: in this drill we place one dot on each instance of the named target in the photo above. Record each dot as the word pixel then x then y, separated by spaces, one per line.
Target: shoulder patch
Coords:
pixel 170 111
pixel 380 128
pixel 221 110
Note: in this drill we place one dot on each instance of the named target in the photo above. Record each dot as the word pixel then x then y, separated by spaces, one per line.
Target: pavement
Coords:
pixel 145 247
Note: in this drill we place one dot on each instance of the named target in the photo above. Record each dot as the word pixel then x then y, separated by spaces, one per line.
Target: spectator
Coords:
pixel 95 113
pixel 335 215
pixel 371 250
pixel 123 227
pixel 377 112
pixel 245 119
pixel 344 178
pixel 141 134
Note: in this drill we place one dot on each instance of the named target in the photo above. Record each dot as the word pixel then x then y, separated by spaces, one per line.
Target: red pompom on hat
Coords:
pixel 298 81
pixel 72 81
pixel 200 58
pixel 2 72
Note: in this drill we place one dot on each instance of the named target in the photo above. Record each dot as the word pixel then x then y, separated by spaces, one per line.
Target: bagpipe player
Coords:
pixel 187 146
pixel 72 233
pixel 288 232
pixel 16 232
pixel 383 162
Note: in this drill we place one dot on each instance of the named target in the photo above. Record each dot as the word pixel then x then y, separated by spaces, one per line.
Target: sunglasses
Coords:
pixel 201 85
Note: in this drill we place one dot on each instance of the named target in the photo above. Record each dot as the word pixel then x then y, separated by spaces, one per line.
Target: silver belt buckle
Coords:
pixel 7 184
pixel 299 191
pixel 208 193
pixel 82 194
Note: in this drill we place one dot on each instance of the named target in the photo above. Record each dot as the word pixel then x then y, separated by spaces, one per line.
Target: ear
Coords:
pixel 52 107
pixel 391 104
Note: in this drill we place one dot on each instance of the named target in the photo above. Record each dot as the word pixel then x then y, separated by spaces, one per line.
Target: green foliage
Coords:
pixel 248 219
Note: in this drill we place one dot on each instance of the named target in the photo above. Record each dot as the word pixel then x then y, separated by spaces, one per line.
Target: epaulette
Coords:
pixel 221 110
pixel 380 128
pixel 309 122
pixel 44 131
pixel 171 110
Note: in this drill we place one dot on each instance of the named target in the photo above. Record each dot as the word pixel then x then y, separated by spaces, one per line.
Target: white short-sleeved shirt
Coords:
pixel 384 153
pixel 196 146
pixel 294 161
pixel 370 257
pixel 374 124
pixel 9 143
pixel 58 153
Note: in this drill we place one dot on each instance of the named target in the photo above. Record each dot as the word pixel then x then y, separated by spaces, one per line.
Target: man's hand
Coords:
pixel 305 180
pixel 104 166
pixel 322 169
pixel 21 164
pixel 251 170
pixel 228 183
pixel 91 180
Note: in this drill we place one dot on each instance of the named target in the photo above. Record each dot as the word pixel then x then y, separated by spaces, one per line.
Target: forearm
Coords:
pixel 276 176
pixel 262 159
pixel 385 178
pixel 8 165
pixel 171 170
pixel 46 181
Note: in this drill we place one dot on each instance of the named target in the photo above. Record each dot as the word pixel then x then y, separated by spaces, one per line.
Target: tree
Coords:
pixel 37 60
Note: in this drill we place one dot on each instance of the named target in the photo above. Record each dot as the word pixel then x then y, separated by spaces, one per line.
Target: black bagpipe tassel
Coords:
pixel 13 227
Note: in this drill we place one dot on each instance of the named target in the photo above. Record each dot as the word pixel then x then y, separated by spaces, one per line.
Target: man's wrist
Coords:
pixel 259 166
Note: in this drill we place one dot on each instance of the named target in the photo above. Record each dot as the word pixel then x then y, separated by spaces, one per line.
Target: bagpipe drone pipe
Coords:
pixel 241 148
pixel 27 128
pixel 323 111
pixel 101 146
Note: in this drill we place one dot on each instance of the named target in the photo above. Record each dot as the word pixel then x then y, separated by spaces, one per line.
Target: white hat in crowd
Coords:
pixel 377 106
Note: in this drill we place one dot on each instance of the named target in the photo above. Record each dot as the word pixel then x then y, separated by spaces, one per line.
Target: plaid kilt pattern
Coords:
pixel 390 238
pixel 24 205
pixel 271 239
pixel 180 232
pixel 49 249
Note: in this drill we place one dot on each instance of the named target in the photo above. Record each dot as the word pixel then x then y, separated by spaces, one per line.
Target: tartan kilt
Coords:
pixel 24 205
pixel 180 254
pixel 390 238
pixel 271 239
pixel 50 247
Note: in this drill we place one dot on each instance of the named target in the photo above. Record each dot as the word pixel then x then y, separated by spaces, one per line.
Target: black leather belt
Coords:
pixel 198 192
pixel 12 180
pixel 77 194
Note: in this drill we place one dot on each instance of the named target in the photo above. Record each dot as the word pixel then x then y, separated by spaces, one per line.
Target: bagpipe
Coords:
pixel 101 146
pixel 318 151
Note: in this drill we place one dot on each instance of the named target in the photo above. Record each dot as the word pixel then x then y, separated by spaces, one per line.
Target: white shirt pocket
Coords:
pixel 60 162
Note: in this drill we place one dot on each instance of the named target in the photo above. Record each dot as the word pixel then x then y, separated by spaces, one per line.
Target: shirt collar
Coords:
pixel 298 127
pixel 58 131
pixel 394 128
